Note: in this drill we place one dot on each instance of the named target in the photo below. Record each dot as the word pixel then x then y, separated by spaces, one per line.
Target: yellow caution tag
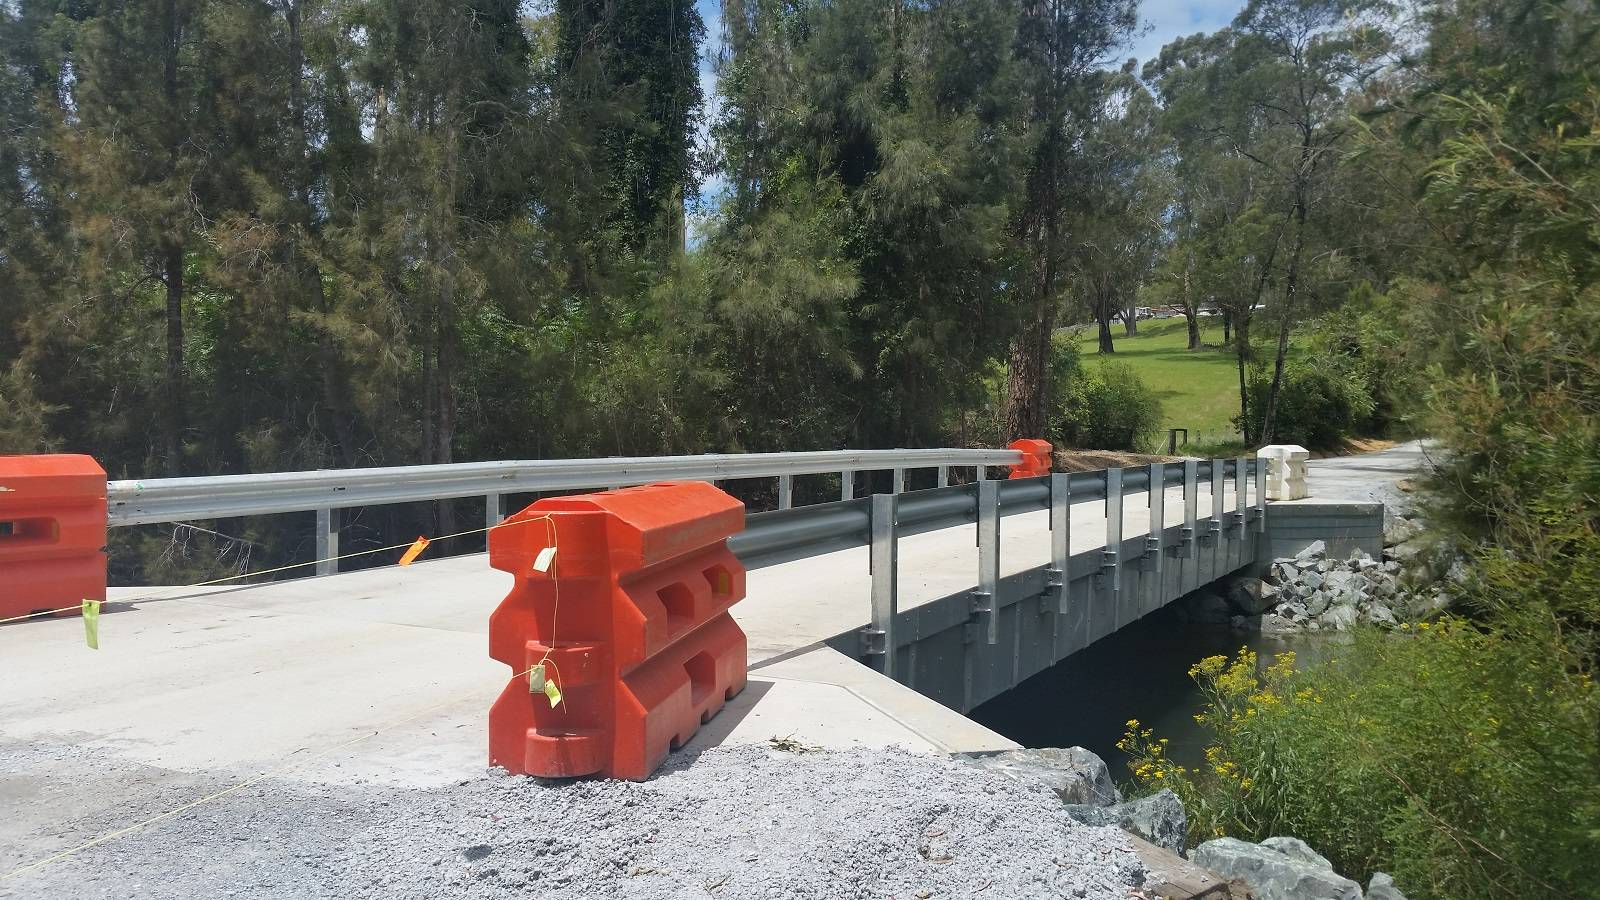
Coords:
pixel 414 551
pixel 91 624
pixel 553 692
pixel 541 563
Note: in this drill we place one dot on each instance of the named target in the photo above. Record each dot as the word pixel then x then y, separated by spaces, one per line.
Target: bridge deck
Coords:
pixel 254 677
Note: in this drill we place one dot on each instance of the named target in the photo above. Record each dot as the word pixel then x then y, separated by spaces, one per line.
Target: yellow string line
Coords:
pixel 256 779
pixel 300 565
pixel 551 531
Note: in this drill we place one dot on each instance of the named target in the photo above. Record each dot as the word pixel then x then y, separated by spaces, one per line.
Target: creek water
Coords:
pixel 1140 672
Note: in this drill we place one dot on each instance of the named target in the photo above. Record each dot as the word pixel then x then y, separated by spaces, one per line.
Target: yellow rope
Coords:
pixel 112 835
pixel 172 592
pixel 256 779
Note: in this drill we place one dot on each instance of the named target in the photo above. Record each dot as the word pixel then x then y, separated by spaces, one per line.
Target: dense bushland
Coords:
pixel 1462 755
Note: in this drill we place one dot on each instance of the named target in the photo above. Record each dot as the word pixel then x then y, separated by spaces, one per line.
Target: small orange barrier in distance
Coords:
pixel 1037 458
pixel 633 614
pixel 52 533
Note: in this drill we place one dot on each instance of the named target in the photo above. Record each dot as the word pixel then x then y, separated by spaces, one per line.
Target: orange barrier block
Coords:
pixel 1037 459
pixel 633 614
pixel 52 533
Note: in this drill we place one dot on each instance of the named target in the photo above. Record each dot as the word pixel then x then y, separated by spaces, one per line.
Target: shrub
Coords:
pixel 1321 402
pixel 1461 760
pixel 1109 409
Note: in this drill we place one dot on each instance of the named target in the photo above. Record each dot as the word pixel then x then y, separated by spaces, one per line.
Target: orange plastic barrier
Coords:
pixel 633 613
pixel 1037 458
pixel 52 533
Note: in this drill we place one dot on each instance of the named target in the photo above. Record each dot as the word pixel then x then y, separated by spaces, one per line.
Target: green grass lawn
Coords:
pixel 1199 389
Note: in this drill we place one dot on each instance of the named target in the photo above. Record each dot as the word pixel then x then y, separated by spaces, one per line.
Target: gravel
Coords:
pixel 742 821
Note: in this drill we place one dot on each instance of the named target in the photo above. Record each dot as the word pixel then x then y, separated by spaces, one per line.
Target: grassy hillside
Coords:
pixel 1199 389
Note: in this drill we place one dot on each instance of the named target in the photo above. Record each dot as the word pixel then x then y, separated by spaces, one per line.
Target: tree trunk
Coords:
pixel 1290 284
pixel 1241 352
pixel 1028 378
pixel 1130 322
pixel 1027 381
pixel 1227 326
pixel 173 407
pixel 173 248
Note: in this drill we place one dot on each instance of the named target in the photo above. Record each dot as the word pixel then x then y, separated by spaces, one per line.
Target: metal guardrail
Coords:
pixel 780 536
pixel 785 534
pixel 775 537
pixel 327 491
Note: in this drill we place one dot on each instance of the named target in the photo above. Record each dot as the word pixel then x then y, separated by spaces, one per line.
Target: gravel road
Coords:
pixel 738 822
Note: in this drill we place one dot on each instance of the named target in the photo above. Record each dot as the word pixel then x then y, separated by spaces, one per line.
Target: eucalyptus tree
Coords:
pixel 860 257
pixel 629 72
pixel 1122 196
pixel 1061 47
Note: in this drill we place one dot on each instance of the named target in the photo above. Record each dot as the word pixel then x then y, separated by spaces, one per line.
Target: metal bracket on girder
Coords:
pixel 1184 549
pixel 1150 561
pixel 981 603
pixel 873 641
pixel 1106 578
pixel 1213 531
pixel 1054 581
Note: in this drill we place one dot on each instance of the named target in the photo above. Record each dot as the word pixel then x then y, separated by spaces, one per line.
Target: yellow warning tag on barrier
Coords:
pixel 553 692
pixel 91 624
pixel 541 563
pixel 414 551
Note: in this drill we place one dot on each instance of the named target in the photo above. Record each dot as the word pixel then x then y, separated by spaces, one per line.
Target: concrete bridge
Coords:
pixel 871 621
pixel 306 717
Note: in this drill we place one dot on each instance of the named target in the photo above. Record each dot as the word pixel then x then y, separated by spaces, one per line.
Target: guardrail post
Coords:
pixel 1055 577
pixel 897 483
pixel 494 509
pixel 1261 495
pixel 944 477
pixel 985 602
pixel 1156 495
pixel 785 491
pixel 1241 482
pixel 327 541
pixel 1191 508
pixel 1214 527
pixel 1110 571
pixel 847 485
pixel 878 638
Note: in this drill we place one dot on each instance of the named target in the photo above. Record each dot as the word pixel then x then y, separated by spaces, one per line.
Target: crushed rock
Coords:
pixel 743 821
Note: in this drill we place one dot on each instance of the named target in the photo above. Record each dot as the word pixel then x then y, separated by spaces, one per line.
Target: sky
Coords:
pixel 1163 21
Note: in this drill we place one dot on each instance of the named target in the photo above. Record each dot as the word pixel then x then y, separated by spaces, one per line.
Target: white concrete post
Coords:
pixel 1286 471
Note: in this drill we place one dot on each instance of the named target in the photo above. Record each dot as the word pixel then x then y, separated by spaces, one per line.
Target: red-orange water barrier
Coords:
pixel 629 619
pixel 52 533
pixel 1037 458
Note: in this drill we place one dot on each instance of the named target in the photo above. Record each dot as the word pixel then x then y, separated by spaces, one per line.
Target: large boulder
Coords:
pixel 1245 594
pixel 1339 618
pixel 1158 818
pixel 1275 874
pixel 1294 848
pixel 1311 552
pixel 1075 774
pixel 1381 887
pixel 1397 530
